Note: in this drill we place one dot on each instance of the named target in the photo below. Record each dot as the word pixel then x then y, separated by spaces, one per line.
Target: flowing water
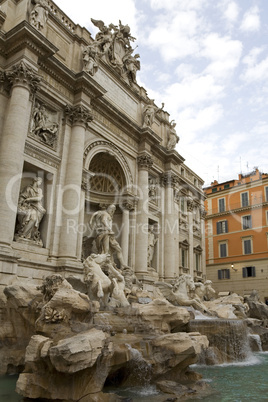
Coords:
pixel 237 382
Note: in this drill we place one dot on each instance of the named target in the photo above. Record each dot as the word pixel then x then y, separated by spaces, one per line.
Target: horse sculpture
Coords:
pixel 177 293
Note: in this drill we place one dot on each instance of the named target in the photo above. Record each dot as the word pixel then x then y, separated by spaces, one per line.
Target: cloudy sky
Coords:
pixel 207 61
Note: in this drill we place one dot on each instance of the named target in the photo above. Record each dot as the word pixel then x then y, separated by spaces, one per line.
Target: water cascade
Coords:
pixel 228 340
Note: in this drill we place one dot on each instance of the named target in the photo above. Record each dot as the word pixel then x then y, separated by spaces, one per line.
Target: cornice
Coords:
pixel 23 36
pixel 46 157
pixel 233 211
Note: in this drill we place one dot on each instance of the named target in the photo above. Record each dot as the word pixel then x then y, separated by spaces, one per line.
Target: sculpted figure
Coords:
pixel 42 127
pixel 90 54
pixel 149 113
pixel 101 222
pixel 177 294
pixel 210 293
pixel 98 282
pixel 105 282
pixel 132 65
pixel 30 211
pixel 104 37
pixel 152 239
pixel 39 14
pixel 173 138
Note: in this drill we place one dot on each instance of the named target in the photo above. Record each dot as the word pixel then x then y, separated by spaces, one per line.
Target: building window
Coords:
pixel 244 200
pixel 222 227
pixel 197 262
pixel 214 190
pixel 221 204
pixel 182 199
pixel 266 193
pixel 247 246
pixel 183 258
pixel 224 274
pixel 223 249
pixel 226 186
pixel 246 222
pixel 248 272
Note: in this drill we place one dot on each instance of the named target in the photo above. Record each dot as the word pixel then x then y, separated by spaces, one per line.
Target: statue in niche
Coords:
pixel 152 190
pixel 149 112
pixel 30 212
pixel 42 128
pixel 90 55
pixel 101 222
pixel 173 138
pixel 39 14
pixel 152 240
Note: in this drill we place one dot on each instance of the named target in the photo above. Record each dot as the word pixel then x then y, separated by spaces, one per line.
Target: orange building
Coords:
pixel 237 234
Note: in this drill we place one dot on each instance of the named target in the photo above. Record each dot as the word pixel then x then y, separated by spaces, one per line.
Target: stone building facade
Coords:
pixel 78 134
pixel 236 234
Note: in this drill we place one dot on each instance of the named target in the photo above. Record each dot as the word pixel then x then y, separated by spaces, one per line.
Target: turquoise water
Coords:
pixel 243 382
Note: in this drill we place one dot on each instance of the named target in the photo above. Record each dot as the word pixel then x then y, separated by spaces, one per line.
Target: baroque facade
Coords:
pixel 236 234
pixel 78 134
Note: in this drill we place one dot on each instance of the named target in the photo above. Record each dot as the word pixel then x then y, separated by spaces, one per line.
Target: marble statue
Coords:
pixel 30 212
pixel 90 55
pixel 41 127
pixel 178 293
pixel 149 112
pixel 152 240
pixel 131 66
pixel 173 138
pixel 39 14
pixel 98 282
pixel 101 223
pixel 210 293
pixel 105 282
pixel 113 44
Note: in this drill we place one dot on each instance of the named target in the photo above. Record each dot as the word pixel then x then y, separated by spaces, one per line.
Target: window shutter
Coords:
pixel 253 271
pixel 219 274
pixel 218 227
pixel 245 272
pixel 226 226
pixel 227 273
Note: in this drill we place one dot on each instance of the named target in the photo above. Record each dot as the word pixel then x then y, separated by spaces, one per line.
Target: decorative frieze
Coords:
pixel 78 115
pixel 23 75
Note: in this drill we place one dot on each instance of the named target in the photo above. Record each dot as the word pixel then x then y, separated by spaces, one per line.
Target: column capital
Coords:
pixel 129 204
pixel 203 213
pixel 78 115
pixel 145 161
pixel 21 74
pixel 169 179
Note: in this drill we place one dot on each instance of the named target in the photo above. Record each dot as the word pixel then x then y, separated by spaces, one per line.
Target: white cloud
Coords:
pixel 175 37
pixel 257 72
pixel 193 121
pixel 231 11
pixel 110 12
pixel 251 20
pixel 175 4
pixel 251 58
pixel 194 90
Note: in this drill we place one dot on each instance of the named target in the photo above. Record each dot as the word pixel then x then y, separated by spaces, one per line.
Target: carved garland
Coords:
pixel 110 145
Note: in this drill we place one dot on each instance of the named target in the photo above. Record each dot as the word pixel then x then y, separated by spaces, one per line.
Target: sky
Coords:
pixel 207 61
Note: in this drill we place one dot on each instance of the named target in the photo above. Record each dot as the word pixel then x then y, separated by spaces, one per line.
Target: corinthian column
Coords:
pixel 24 81
pixel 144 164
pixel 190 208
pixel 171 228
pixel 78 117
